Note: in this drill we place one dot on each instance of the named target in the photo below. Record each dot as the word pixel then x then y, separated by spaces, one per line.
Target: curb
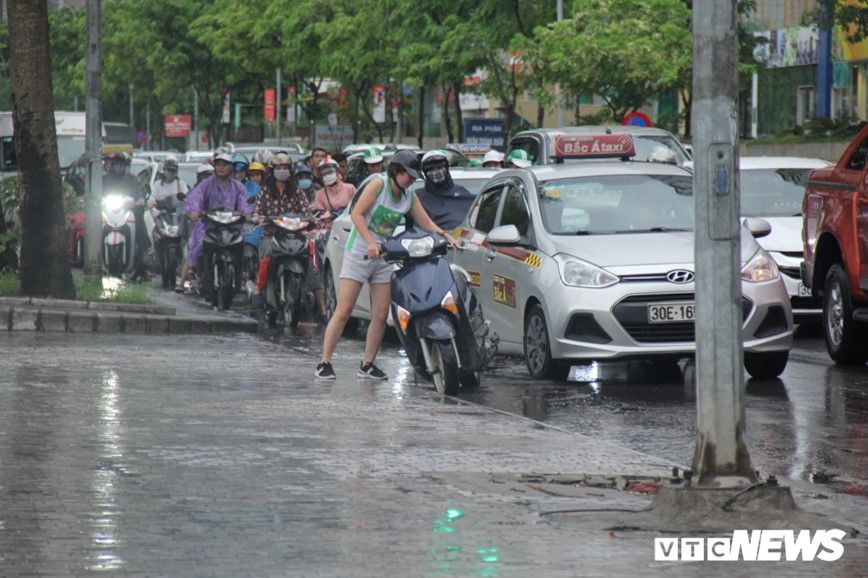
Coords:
pixel 65 316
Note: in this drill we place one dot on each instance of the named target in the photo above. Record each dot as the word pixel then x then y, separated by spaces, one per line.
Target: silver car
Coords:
pixel 772 189
pixel 473 179
pixel 595 261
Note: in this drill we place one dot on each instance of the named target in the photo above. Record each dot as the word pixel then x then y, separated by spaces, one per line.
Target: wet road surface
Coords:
pixel 809 425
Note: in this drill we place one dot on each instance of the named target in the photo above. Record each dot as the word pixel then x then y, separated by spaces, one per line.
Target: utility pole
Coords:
pixel 721 458
pixel 93 139
pixel 277 105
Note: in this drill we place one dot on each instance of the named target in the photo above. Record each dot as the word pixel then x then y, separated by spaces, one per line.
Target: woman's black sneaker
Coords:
pixel 371 371
pixel 324 371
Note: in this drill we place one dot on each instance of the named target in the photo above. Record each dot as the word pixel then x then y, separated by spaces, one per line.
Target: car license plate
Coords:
pixel 670 312
pixel 804 291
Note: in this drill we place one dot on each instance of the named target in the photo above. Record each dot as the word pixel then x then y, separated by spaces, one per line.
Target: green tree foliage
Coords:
pixel 851 16
pixel 626 51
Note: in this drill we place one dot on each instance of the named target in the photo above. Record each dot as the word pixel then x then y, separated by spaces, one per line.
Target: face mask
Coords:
pixel 330 178
pixel 170 175
pixel 437 175
pixel 281 175
pixel 305 183
pixel 119 169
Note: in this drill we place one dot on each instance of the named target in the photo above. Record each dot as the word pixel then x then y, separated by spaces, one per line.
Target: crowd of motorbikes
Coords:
pixel 437 315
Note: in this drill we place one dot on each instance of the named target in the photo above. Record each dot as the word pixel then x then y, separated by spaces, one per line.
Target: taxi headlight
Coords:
pixel 578 273
pixel 760 268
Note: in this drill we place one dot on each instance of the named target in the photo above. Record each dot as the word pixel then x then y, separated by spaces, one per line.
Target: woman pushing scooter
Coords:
pixel 379 210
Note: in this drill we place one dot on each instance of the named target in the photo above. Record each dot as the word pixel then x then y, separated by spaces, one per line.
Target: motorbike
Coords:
pixel 223 239
pixel 118 233
pixel 437 315
pixel 76 227
pixel 289 262
pixel 168 238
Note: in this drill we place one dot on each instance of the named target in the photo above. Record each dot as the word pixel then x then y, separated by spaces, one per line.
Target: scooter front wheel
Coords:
pixel 445 373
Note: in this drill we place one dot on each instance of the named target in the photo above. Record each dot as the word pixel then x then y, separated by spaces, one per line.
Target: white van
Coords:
pixel 71 127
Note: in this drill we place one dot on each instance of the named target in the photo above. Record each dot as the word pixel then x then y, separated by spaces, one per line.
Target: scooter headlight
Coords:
pixel 403 317
pixel 449 304
pixel 418 247
pixel 171 230
pixel 113 203
pixel 291 223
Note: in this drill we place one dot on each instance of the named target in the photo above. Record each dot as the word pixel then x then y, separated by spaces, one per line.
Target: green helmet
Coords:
pixel 519 158
pixel 373 156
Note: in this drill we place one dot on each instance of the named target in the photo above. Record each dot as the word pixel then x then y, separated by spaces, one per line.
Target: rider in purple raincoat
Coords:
pixel 219 191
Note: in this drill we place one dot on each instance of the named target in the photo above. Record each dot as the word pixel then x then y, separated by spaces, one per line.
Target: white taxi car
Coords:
pixel 471 178
pixel 772 189
pixel 594 260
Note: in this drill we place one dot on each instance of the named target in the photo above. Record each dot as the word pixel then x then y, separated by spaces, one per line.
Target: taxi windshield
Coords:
pixel 614 204
pixel 773 192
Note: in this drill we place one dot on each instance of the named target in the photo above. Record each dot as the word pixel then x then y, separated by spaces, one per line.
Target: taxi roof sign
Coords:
pixel 594 146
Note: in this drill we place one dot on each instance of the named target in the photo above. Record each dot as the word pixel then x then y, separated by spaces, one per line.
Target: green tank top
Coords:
pixel 382 218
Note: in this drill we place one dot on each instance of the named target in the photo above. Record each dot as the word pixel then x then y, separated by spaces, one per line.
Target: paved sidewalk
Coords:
pixel 163 318
pixel 222 456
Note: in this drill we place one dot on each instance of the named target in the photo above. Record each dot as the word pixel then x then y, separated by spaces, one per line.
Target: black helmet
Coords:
pixel 408 160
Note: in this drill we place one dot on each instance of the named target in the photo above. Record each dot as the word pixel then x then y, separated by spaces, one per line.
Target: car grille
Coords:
pixel 792 272
pixel 632 314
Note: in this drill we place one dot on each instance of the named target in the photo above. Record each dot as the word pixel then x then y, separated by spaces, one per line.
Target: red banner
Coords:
pixel 177 126
pixel 269 104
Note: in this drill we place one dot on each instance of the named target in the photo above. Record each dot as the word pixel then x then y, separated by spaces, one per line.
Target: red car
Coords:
pixel 835 236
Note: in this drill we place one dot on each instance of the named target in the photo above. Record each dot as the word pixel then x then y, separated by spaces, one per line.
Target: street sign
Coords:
pixel 177 126
pixel 636 119
pixel 484 131
pixel 269 104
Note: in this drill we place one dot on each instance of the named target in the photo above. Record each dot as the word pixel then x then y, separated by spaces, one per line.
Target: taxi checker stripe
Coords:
pixel 515 253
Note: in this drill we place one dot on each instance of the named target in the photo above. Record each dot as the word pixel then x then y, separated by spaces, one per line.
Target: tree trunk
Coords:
pixel 541 110
pixel 459 117
pixel 421 105
pixel 446 117
pixel 44 267
pixel 687 101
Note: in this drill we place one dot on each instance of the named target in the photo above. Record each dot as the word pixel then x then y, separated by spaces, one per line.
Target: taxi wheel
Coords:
pixel 845 337
pixel 537 352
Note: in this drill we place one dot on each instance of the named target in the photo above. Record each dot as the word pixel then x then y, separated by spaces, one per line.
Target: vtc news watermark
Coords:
pixel 754 546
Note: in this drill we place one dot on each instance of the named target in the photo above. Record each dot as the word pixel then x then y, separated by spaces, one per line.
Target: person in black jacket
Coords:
pixel 446 202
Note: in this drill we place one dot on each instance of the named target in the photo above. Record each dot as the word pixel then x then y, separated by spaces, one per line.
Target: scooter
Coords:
pixel 437 314
pixel 223 239
pixel 288 265
pixel 119 234
pixel 168 237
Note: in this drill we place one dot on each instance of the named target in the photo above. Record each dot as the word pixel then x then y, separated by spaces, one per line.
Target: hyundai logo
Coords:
pixel 680 276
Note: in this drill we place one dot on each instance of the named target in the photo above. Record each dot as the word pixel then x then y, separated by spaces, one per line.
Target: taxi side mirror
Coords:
pixel 504 235
pixel 758 227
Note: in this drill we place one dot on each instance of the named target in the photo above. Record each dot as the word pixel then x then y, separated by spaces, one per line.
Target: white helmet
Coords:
pixel 662 154
pixel 492 156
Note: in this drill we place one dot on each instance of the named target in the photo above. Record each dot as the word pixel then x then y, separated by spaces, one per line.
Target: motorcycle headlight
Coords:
pixel 291 223
pixel 223 217
pixel 418 247
pixel 760 268
pixel 578 273
pixel 171 230
pixel 113 203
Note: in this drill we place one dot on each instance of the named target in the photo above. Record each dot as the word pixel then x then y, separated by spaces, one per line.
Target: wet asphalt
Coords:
pixel 222 456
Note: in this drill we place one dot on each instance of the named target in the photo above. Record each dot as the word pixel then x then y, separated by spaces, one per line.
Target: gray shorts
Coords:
pixel 355 267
